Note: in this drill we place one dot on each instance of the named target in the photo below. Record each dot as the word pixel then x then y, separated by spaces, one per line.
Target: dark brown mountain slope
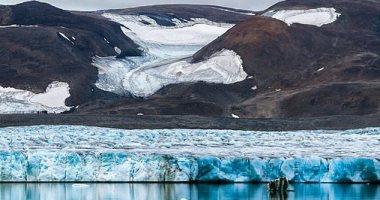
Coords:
pixel 295 71
pixel 303 70
pixel 37 53
pixel 299 70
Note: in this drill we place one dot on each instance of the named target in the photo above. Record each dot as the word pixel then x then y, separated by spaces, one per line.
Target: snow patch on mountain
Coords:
pixel 317 17
pixel 117 50
pixel 22 101
pixel 80 153
pixel 65 37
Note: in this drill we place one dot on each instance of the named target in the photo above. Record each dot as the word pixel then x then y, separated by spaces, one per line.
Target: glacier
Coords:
pixel 222 67
pixel 18 101
pixel 166 56
pixel 93 154
pixel 316 17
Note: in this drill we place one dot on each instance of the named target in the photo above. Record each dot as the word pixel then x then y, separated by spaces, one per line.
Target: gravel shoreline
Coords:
pixel 192 122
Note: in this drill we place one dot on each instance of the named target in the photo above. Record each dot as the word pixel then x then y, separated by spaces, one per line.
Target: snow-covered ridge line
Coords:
pixel 317 17
pixel 78 153
pixel 234 11
pixel 22 101
pixel 144 20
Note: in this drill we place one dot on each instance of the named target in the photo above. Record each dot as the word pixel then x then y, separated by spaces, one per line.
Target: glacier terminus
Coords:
pixel 92 154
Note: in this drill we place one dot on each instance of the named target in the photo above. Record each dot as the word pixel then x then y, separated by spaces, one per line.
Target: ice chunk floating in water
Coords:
pixel 78 153
pixel 22 101
pixel 316 17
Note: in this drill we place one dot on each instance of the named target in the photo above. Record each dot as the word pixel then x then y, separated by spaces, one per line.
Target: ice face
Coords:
pixel 315 17
pixel 166 57
pixel 22 101
pixel 121 166
pixel 79 153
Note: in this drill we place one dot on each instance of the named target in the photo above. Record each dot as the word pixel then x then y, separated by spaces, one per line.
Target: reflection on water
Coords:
pixel 112 191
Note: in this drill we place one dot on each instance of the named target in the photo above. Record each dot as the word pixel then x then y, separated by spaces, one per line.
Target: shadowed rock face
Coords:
pixel 37 53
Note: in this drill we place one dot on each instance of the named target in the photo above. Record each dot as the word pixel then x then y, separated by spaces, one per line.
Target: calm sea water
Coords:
pixel 111 191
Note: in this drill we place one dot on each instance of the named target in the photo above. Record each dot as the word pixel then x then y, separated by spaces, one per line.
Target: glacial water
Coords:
pixel 126 191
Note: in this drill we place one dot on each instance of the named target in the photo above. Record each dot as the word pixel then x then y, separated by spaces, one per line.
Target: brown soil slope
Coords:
pixel 303 70
pixel 35 54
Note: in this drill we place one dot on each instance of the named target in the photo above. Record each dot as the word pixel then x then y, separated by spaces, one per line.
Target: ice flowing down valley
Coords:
pixel 79 153
pixel 166 59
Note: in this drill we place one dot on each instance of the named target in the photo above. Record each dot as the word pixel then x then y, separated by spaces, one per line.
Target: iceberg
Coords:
pixel 92 154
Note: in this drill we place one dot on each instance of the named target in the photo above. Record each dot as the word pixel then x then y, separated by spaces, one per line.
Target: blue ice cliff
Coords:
pixel 78 153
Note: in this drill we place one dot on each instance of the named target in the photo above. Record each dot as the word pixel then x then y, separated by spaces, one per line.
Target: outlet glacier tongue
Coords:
pixel 79 153
pixel 166 57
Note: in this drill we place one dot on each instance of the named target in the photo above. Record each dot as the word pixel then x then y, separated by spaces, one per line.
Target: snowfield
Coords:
pixel 78 153
pixel 166 57
pixel 196 32
pixel 317 17
pixel 22 101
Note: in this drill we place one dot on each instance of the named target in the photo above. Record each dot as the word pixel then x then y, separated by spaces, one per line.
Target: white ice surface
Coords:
pixel 223 67
pixel 21 101
pixel 165 57
pixel 78 153
pixel 317 17
pixel 197 32
pixel 326 144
